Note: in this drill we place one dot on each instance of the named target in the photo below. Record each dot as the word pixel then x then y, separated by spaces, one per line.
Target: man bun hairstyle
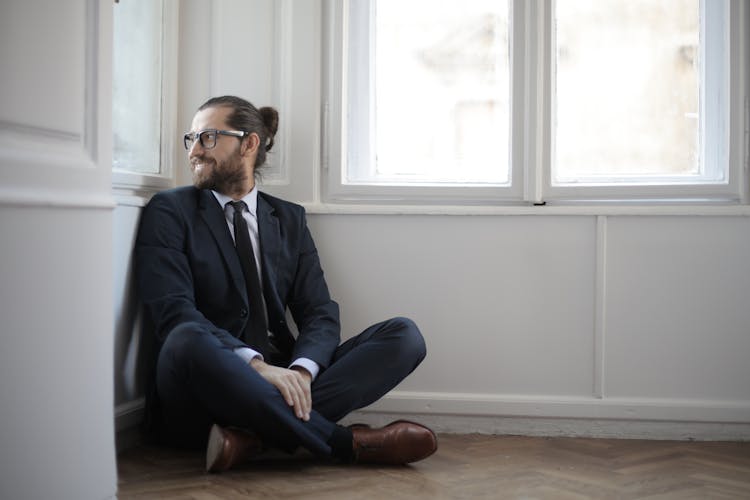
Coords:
pixel 248 118
pixel 271 120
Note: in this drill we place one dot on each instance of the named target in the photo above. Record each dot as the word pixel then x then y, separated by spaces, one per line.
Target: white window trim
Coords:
pixel 717 53
pixel 334 139
pixel 132 185
pixel 531 147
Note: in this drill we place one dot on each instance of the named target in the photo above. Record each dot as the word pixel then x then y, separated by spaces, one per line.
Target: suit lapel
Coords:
pixel 270 241
pixel 213 215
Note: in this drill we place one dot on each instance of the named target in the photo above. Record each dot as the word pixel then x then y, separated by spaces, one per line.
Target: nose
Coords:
pixel 196 149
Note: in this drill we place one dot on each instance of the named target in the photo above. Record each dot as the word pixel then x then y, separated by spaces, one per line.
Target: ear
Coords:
pixel 250 144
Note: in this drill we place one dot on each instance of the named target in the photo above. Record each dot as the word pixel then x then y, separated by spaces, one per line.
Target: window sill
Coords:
pixel 122 179
pixel 135 189
pixel 696 210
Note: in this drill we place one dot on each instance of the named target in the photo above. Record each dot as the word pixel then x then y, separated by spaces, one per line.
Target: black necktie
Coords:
pixel 256 331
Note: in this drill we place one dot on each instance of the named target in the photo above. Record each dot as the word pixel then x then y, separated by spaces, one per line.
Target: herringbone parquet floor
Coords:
pixel 465 466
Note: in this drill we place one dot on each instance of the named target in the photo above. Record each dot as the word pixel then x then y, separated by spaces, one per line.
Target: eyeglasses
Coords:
pixel 207 137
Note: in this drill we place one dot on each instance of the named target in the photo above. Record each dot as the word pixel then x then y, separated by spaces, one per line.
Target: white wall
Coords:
pixel 588 321
pixel 627 318
pixel 56 400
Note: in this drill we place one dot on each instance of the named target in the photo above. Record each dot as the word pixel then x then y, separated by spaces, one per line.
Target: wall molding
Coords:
pixel 24 147
pixel 129 415
pixel 54 198
pixel 64 163
pixel 622 418
pixel 630 409
pixel 600 307
pixel 562 427
pixel 20 130
pixel 551 416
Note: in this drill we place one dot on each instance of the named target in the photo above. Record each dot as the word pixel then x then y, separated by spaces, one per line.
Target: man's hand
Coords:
pixel 293 384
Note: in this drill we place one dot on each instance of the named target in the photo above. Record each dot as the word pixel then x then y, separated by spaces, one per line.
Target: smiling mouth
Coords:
pixel 199 165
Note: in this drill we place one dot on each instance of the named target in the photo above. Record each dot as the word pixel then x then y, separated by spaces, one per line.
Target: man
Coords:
pixel 217 277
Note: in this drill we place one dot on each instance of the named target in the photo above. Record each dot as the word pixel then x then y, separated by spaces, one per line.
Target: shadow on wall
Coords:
pixel 134 348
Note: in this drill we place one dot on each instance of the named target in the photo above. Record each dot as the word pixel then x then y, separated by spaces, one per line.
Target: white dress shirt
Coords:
pixel 250 216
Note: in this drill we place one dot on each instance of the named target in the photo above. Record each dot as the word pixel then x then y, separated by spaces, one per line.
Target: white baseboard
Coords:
pixel 673 419
pixel 129 415
pixel 665 409
pixel 460 413
pixel 562 427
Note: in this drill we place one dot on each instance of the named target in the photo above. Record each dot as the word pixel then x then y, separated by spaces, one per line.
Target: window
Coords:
pixel 649 58
pixel 439 107
pixel 142 112
pixel 639 97
pixel 495 101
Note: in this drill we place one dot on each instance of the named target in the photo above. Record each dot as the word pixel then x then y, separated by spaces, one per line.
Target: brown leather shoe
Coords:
pixel 400 442
pixel 228 446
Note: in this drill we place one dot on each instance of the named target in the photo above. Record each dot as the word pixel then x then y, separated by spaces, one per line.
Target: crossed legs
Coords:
pixel 200 382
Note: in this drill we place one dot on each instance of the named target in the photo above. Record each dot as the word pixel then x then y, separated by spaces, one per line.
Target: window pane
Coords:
pixel 441 94
pixel 136 95
pixel 627 91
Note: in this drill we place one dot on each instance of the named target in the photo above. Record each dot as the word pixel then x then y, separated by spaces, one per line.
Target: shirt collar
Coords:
pixel 250 199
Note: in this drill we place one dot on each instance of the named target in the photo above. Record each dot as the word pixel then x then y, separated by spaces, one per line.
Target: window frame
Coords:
pixel 125 182
pixel 532 73
pixel 714 149
pixel 335 140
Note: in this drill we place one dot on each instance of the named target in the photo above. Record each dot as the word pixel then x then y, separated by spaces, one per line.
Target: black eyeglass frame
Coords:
pixel 189 138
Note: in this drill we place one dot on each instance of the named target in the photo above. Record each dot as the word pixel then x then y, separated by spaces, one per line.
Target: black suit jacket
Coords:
pixel 188 272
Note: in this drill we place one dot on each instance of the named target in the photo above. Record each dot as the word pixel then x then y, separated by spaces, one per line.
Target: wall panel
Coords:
pixel 57 70
pixel 506 304
pixel 678 325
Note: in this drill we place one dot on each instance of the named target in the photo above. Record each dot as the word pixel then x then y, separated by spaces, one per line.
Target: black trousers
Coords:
pixel 200 382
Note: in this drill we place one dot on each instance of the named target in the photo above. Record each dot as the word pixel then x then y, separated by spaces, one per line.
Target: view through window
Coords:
pixel 627 90
pixel 441 109
pixel 136 93
pixel 429 93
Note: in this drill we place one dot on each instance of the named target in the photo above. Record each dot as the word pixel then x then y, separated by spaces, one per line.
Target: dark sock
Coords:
pixel 342 444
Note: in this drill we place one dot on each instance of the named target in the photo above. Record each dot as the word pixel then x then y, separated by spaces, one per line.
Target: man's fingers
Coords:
pixel 307 397
pixel 305 380
pixel 303 398
pixel 297 400
pixel 294 388
pixel 290 388
pixel 286 393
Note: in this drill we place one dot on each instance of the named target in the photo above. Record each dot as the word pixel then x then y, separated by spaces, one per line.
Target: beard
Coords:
pixel 224 177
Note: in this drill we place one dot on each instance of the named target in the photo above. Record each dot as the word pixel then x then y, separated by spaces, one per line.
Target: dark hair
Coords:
pixel 248 118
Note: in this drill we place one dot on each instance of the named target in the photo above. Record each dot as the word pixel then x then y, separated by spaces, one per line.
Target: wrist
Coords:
pixel 257 363
pixel 302 371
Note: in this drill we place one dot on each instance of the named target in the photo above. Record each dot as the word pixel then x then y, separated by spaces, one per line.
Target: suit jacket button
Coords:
pixel 243 312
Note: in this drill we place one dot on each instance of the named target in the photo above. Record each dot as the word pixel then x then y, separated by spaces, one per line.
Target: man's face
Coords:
pixel 220 168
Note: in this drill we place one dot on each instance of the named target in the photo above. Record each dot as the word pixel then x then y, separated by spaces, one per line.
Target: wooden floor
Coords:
pixel 465 466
